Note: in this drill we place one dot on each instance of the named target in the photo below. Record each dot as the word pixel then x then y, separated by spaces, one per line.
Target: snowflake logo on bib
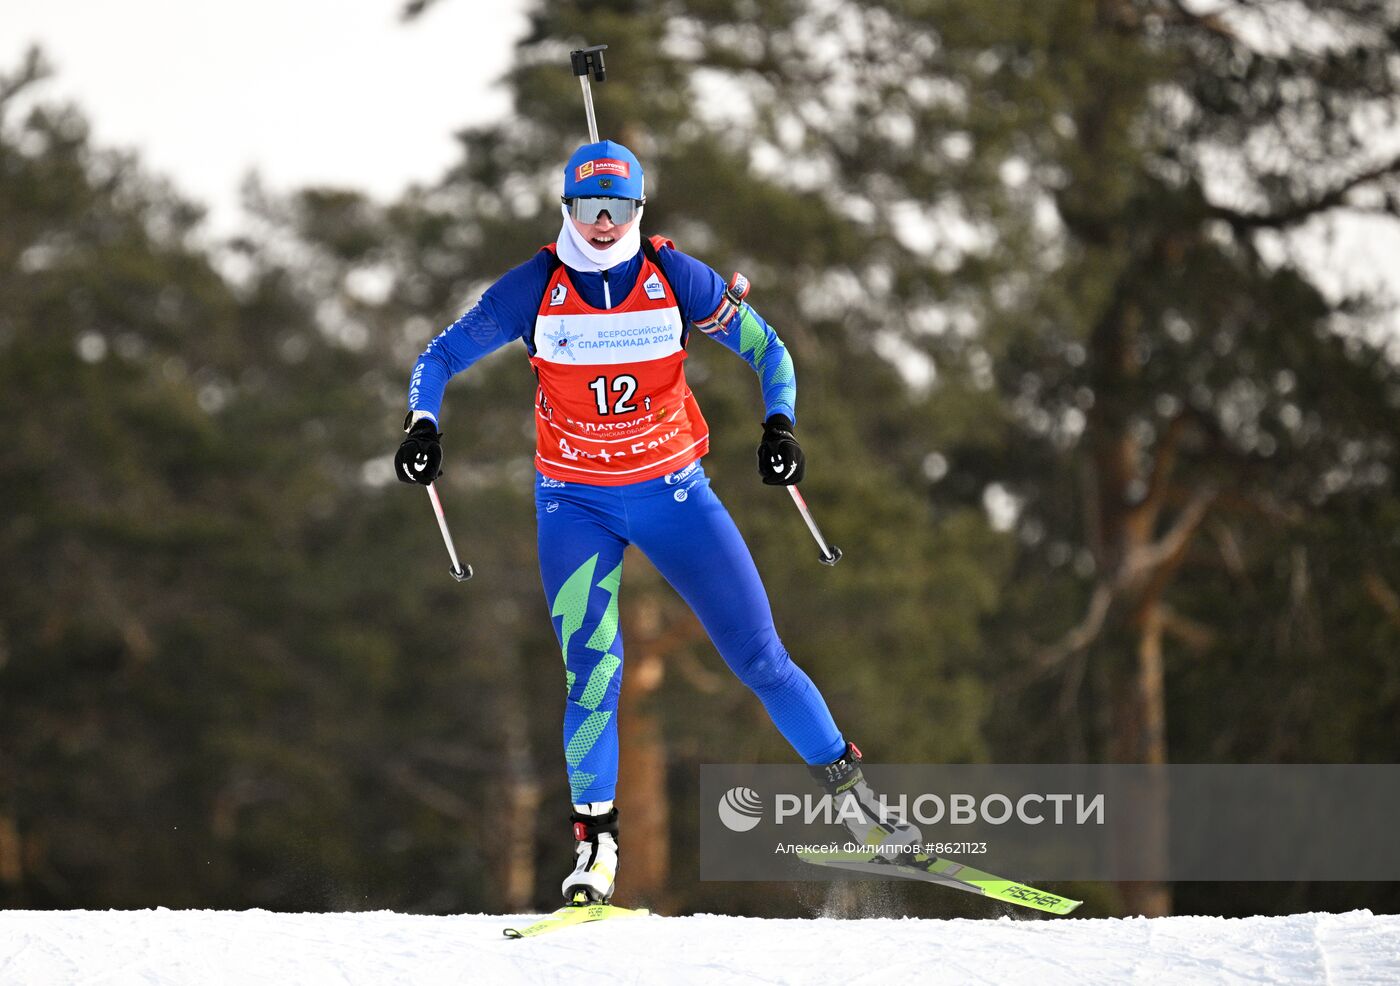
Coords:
pixel 560 338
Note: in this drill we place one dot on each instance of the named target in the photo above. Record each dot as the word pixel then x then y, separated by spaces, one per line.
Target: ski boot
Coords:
pixel 873 825
pixel 595 854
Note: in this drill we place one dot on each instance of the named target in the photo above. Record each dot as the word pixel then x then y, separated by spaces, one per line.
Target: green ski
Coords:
pixel 579 912
pixel 936 869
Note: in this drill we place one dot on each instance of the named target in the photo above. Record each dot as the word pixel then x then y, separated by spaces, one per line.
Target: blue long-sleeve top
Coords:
pixel 508 308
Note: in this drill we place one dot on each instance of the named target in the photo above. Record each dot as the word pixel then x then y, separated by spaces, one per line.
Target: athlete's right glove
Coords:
pixel 419 458
pixel 780 459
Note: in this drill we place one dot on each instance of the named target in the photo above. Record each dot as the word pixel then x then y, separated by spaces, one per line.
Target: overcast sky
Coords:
pixel 305 91
pixel 342 92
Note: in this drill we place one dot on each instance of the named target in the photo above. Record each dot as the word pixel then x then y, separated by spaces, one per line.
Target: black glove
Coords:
pixel 419 458
pixel 780 459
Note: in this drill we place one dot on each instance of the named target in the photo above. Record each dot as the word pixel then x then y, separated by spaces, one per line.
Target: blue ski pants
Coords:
pixel 679 523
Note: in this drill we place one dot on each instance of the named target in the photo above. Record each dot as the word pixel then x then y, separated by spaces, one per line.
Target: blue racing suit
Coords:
pixel 676 520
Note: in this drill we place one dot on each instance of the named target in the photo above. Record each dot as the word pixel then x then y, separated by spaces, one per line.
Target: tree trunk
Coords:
pixel 1125 513
pixel 11 859
pixel 518 816
pixel 644 811
pixel 1139 736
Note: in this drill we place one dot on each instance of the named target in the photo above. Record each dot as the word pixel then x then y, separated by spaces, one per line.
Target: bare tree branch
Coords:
pixel 429 793
pixel 1192 633
pixel 1230 552
pixel 1210 21
pixel 412 9
pixel 1300 211
pixel 1142 561
pixel 1163 461
pixel 1383 595
pixel 33 69
pixel 1084 634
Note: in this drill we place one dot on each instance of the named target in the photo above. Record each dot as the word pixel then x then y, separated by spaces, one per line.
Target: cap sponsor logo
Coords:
pixel 603 166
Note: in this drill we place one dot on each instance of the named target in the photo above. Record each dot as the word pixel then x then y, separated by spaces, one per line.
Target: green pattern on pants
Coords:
pixel 578 783
pixel 598 681
pixel 584 738
pixel 606 633
pixel 571 603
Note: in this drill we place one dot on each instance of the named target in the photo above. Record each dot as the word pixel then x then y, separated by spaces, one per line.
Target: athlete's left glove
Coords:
pixel 780 459
pixel 419 458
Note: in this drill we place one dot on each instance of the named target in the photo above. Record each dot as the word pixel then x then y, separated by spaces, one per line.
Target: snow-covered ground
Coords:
pixel 39 948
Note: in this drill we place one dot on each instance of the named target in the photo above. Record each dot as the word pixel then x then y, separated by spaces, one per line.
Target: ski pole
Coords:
pixel 459 572
pixel 585 61
pixel 830 554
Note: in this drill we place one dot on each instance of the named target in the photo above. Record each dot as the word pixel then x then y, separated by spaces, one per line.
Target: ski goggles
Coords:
pixel 587 210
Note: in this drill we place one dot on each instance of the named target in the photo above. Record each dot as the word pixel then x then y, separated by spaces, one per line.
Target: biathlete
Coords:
pixel 605 315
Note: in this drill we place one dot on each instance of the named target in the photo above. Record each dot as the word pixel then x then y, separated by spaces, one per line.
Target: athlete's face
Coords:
pixel 603 233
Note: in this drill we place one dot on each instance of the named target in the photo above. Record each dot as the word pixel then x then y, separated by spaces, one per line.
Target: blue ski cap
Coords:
pixel 605 169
